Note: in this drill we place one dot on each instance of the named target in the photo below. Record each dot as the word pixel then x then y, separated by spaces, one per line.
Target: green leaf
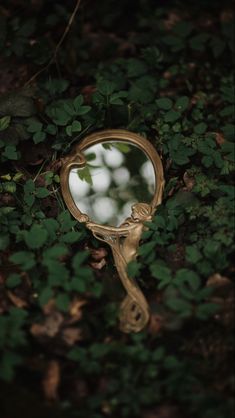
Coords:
pixel 4 241
pixel 83 110
pixel 42 192
pixel 106 87
pixel 25 259
pixel 78 259
pixel 185 275
pixel 164 103
pixel 180 305
pixel 57 251
pixel 45 295
pixel 4 122
pixel 13 280
pixel 34 126
pixel 7 365
pixel 51 129
pixel 182 103
pixel 39 136
pixel 71 237
pixel 85 175
pixel 78 101
pixel 62 302
pixel 161 272
pixel 145 249
pixel 76 126
pixel 198 41
pixel 133 268
pixel 200 128
pixel 193 255
pixel 136 67
pixel 10 152
pixel 172 116
pixel 206 310
pixel 207 161
pixel 36 237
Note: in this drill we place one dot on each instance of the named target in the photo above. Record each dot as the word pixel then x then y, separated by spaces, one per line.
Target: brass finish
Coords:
pixel 124 240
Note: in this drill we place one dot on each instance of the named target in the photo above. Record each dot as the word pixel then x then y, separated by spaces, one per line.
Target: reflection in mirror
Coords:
pixel 116 176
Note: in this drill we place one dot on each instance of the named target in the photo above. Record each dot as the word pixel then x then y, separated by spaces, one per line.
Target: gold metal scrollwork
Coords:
pixel 123 240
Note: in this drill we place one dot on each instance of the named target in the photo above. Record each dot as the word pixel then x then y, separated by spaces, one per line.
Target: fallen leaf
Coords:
pixel 76 308
pixel 71 335
pixel 50 327
pixel 99 265
pixel 218 281
pixel 219 137
pixel 51 381
pixel 16 300
pixel 188 181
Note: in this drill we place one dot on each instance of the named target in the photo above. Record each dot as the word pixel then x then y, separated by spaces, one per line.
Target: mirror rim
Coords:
pixel 76 159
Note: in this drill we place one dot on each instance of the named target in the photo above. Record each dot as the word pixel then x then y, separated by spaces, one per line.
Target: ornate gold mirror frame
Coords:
pixel 123 240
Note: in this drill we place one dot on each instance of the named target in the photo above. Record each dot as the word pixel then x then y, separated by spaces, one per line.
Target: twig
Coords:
pixel 71 19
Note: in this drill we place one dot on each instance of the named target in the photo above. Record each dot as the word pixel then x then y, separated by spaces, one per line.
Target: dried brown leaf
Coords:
pixel 16 300
pixel 76 308
pixel 50 327
pixel 72 335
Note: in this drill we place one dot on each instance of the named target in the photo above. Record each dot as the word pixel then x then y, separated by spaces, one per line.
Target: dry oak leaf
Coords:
pixel 16 300
pixel 49 328
pixel 72 335
pixel 51 381
pixel 188 181
pixel 75 309
pixel 219 137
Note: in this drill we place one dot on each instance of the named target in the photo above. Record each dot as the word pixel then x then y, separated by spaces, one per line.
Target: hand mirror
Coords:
pixel 113 181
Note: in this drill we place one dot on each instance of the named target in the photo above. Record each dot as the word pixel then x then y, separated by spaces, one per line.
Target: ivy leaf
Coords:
pixel 45 295
pixel 206 310
pixel 34 126
pixel 36 237
pixel 4 122
pixel 8 362
pixel 84 174
pixel 181 306
pixel 164 103
pixel 76 126
pixel 106 87
pixel 42 192
pixel 13 280
pixel 172 116
pixel 62 302
pixel 133 268
pixel 25 259
pixel 39 136
pixel 200 128
pixel 10 152
pixel 193 255
pixel 182 103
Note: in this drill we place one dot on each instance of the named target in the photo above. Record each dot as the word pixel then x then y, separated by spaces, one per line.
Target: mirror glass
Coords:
pixel 117 175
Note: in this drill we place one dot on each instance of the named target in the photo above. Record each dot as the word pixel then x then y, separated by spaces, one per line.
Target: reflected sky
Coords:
pixel 117 175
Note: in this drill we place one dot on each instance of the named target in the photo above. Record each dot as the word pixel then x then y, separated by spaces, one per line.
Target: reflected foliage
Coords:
pixel 116 176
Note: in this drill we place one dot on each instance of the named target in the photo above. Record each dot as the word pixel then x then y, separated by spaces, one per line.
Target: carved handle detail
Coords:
pixel 134 310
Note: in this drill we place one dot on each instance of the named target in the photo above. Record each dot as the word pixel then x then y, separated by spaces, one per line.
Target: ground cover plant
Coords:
pixel 164 70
